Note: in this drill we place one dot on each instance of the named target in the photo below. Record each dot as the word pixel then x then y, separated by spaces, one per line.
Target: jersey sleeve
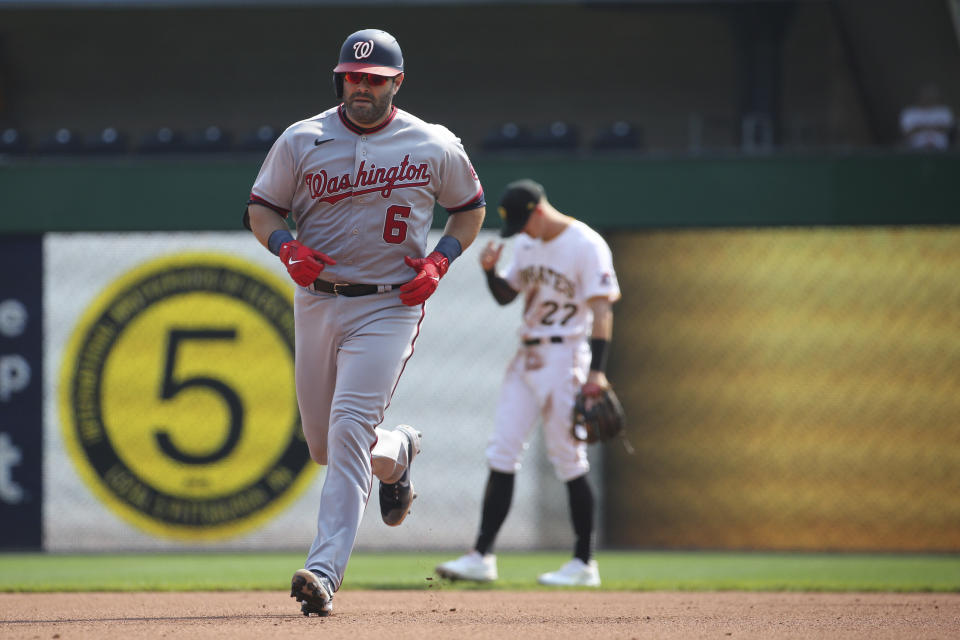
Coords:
pixel 599 278
pixel 460 188
pixel 276 183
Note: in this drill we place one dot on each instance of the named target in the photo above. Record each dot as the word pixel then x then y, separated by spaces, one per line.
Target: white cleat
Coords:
pixel 575 573
pixel 396 497
pixel 415 438
pixel 473 566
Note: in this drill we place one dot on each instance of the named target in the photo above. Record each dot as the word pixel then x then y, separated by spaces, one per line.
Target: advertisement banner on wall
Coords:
pixel 171 410
pixel 170 391
pixel 21 375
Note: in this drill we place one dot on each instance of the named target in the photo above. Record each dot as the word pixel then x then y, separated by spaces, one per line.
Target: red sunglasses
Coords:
pixel 356 77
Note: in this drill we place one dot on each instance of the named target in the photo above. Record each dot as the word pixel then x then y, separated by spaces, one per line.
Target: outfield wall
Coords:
pixel 786 350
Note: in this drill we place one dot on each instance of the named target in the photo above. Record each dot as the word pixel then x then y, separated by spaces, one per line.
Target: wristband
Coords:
pixel 599 348
pixel 449 247
pixel 277 239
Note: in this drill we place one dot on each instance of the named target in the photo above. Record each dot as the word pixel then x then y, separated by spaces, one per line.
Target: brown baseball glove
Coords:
pixel 597 415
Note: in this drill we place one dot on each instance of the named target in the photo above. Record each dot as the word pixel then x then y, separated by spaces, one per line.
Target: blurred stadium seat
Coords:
pixel 12 142
pixel 756 132
pixel 618 135
pixel 556 135
pixel 61 141
pixel 107 140
pixel 259 140
pixel 508 135
pixel 210 139
pixel 162 140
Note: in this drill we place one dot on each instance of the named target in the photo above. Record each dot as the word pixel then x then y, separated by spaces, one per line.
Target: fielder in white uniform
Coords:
pixel 360 181
pixel 564 270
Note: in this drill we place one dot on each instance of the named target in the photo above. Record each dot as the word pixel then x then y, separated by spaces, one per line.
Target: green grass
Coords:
pixel 634 571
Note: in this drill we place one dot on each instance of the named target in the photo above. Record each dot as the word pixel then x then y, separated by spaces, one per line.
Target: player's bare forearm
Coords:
pixel 264 221
pixel 602 318
pixel 465 225
pixel 603 331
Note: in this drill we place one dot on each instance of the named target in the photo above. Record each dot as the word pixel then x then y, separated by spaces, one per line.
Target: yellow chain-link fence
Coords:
pixel 788 389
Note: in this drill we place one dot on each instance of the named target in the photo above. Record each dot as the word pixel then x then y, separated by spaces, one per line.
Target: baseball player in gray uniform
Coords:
pixel 565 271
pixel 360 181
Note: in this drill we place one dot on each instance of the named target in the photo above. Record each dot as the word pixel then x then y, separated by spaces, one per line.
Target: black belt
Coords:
pixel 529 342
pixel 351 290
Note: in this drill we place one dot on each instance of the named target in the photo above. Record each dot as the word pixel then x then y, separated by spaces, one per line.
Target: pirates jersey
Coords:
pixel 558 276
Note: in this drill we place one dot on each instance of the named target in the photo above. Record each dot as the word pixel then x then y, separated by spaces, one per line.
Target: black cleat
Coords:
pixel 313 591
pixel 396 497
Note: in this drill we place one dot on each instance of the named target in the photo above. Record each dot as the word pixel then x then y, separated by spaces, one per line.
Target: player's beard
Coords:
pixel 367 113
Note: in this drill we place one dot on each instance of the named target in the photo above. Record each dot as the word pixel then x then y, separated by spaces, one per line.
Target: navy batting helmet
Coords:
pixel 369 51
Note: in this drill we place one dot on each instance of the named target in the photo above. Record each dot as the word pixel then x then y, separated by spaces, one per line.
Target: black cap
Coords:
pixel 516 205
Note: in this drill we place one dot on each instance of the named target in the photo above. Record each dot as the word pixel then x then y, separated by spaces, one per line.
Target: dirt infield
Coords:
pixel 464 615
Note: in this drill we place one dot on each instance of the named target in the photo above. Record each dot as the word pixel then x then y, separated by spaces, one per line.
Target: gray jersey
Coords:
pixel 365 197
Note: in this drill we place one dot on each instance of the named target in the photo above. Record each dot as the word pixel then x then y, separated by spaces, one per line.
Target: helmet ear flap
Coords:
pixel 338 85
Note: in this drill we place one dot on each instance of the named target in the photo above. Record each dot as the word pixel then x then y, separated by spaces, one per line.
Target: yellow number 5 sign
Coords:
pixel 177 398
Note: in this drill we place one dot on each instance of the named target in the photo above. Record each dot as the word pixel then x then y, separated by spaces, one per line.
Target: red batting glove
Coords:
pixel 431 269
pixel 303 263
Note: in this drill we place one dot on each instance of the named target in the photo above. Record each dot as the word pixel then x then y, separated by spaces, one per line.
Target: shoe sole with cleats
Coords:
pixel 306 588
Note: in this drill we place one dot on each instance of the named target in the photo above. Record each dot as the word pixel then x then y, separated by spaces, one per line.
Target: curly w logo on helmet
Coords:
pixel 362 49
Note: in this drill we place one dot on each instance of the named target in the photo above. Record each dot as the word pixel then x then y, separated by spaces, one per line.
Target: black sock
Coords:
pixel 496 504
pixel 581 514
